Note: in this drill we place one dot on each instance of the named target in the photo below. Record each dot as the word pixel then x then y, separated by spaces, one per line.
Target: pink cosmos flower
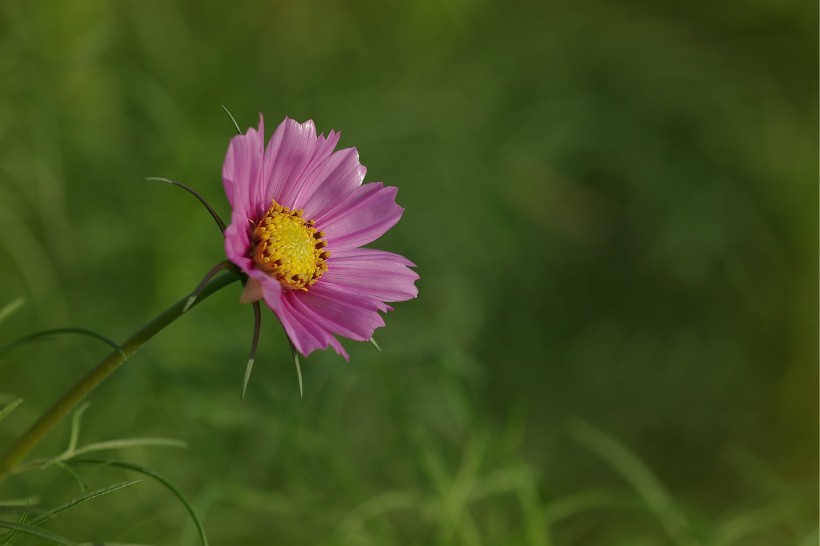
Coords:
pixel 300 216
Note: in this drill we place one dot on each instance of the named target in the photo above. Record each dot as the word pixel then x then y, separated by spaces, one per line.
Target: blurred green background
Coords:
pixel 613 209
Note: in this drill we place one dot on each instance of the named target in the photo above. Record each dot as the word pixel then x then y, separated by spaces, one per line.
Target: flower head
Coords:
pixel 299 218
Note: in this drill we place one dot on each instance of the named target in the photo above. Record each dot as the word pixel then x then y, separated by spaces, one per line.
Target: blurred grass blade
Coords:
pixel 151 474
pixel 750 523
pixel 52 538
pixel 640 477
pixel 356 519
pixel 593 499
pixel 112 544
pixel 812 539
pixel 11 308
pixel 10 408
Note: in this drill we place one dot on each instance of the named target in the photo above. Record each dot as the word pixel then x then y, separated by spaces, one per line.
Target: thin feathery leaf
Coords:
pixel 196 194
pixel 129 443
pixel 81 499
pixel 151 474
pixel 221 266
pixel 44 336
pixel 76 421
pixel 257 323
pixel 8 408
pixel 11 308
pixel 376 345
pixel 235 124
pixel 109 445
pixel 11 534
pixel 74 474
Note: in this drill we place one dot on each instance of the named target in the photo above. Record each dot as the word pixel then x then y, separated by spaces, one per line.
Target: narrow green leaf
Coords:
pixel 82 498
pixel 298 372
pixel 45 335
pixel 10 408
pixel 168 485
pixel 235 124
pixel 109 445
pixel 26 501
pixel 126 443
pixel 37 532
pixel 73 473
pixel 70 504
pixel 76 420
pixel 219 222
pixel 247 377
pixel 11 308
pixel 11 534
pixel 298 367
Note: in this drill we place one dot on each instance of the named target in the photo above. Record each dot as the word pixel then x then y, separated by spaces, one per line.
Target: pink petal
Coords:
pixel 306 333
pixel 377 274
pixel 237 241
pixel 344 313
pixel 272 291
pixel 293 153
pixel 361 218
pixel 374 255
pixel 242 171
pixel 330 182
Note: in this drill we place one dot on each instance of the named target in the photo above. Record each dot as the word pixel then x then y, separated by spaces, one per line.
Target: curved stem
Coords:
pixel 86 384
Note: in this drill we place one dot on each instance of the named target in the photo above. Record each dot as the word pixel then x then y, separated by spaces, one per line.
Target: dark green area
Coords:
pixel 613 209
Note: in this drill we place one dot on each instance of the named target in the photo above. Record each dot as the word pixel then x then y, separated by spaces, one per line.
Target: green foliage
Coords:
pixel 165 482
pixel 613 211
pixel 68 459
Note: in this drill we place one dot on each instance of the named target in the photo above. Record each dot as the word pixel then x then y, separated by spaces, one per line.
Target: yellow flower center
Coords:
pixel 288 247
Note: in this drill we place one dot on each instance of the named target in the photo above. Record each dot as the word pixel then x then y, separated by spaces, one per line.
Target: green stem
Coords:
pixel 85 385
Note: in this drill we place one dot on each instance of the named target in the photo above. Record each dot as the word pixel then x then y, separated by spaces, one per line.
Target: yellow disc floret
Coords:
pixel 288 247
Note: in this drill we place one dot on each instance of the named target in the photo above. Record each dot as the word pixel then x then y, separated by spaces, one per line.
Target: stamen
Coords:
pixel 289 248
